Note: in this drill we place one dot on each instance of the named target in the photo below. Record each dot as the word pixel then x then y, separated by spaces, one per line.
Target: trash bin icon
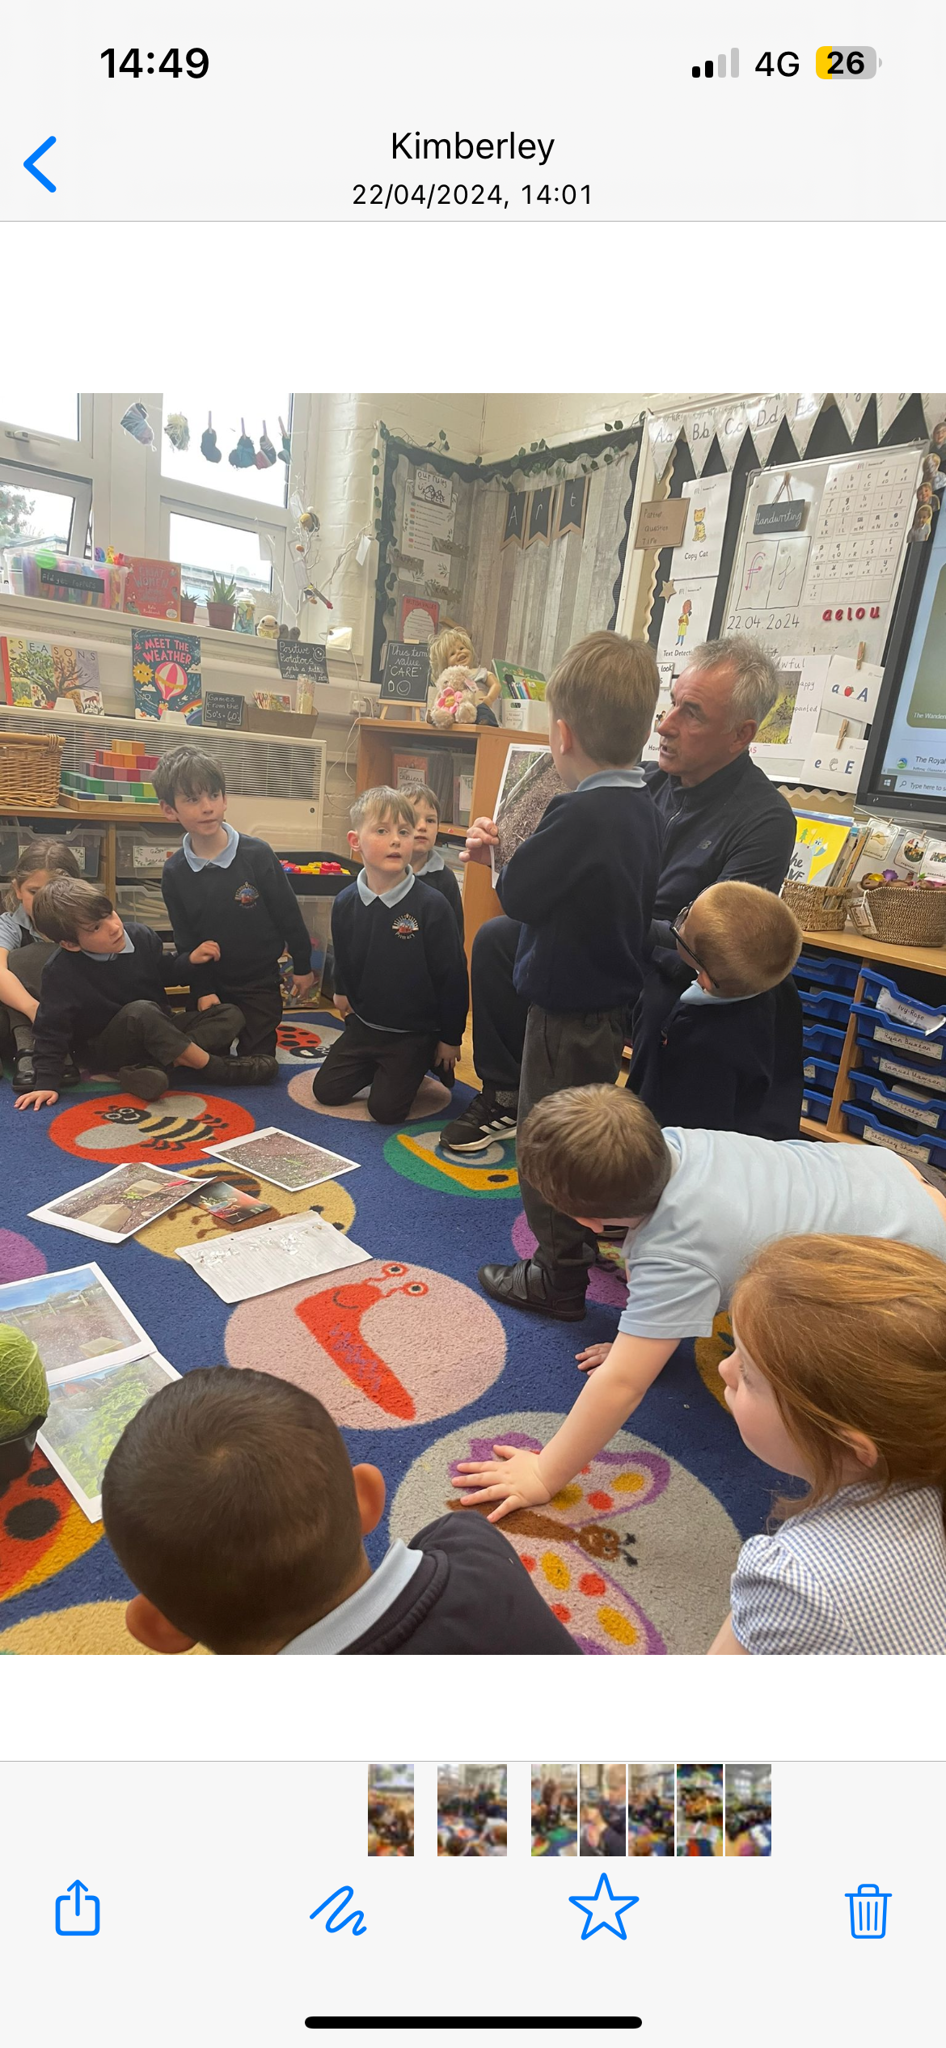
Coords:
pixel 868 1912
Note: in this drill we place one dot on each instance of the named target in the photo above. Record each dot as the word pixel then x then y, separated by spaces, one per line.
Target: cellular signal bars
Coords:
pixel 718 70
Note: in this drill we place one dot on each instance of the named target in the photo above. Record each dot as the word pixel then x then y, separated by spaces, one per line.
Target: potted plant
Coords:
pixel 188 608
pixel 221 604
pixel 24 1401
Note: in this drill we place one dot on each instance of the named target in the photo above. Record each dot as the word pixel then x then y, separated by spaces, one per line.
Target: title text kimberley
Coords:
pixel 460 148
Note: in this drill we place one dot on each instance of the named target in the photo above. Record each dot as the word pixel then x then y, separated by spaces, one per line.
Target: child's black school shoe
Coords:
pixel 485 1121
pixel 249 1072
pixel 24 1073
pixel 71 1077
pixel 528 1285
pixel 145 1082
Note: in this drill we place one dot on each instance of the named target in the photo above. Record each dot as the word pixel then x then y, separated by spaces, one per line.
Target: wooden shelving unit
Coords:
pixel 91 814
pixel 872 954
pixel 379 738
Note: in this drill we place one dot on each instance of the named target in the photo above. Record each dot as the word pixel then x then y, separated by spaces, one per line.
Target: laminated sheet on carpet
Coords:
pixel 418 1367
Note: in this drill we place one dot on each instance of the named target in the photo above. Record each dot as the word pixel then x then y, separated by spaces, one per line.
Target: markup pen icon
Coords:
pixel 78 1910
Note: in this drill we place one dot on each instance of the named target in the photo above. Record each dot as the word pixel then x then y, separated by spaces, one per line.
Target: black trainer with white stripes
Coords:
pixel 486 1120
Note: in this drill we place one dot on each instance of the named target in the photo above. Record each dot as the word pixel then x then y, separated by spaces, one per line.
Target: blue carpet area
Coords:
pixel 634 1557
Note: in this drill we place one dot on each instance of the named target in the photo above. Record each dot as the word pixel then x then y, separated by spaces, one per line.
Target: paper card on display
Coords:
pixel 827 766
pixel 666 670
pixel 787 732
pixel 272 1256
pixel 701 548
pixel 285 1160
pixel 853 691
pixel 685 623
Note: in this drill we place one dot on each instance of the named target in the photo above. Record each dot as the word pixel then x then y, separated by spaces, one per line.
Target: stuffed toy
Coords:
pixel 456 698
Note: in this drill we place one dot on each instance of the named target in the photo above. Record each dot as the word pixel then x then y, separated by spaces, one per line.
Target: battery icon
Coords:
pixel 844 60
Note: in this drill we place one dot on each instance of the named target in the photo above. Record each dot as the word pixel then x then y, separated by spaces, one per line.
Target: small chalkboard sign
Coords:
pixel 787 517
pixel 224 709
pixel 302 658
pixel 406 678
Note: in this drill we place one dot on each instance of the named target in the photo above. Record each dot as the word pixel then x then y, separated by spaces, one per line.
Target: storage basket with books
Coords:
pixel 818 887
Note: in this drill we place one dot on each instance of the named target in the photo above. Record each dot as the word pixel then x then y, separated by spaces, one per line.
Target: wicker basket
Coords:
pixel 29 768
pixel 817 909
pixel 908 917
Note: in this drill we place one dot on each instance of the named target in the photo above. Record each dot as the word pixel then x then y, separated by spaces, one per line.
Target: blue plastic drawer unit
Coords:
pixel 821 1074
pixel 828 969
pixel 883 1034
pixel 898 1072
pixel 928 1150
pixel 919 1111
pixel 824 1006
pixel 815 1106
pixel 823 1041
pixel 883 995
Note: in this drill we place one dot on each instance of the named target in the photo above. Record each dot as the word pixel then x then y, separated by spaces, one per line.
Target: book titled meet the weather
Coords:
pixel 166 672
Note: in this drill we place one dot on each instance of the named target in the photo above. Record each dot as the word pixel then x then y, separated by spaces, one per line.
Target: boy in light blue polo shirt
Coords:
pixel 698 1206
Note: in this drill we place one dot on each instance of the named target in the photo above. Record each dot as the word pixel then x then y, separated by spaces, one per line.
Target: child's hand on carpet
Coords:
pixel 593 1354
pixel 208 950
pixel 515 1483
pixel 37 1098
pixel 343 1006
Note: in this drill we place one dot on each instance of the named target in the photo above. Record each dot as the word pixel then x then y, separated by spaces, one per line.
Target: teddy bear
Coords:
pixel 456 699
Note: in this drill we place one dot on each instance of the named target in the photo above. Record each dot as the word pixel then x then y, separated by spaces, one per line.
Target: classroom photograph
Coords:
pixel 748 1810
pixel 390 1809
pixel 554 1809
pixel 471 1810
pixel 699 1809
pixel 603 1810
pixel 650 1809
pixel 473 1036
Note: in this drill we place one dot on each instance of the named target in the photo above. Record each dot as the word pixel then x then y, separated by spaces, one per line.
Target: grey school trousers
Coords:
pixel 565 1049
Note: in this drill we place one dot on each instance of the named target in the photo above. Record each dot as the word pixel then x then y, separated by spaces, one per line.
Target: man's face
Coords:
pixel 697 735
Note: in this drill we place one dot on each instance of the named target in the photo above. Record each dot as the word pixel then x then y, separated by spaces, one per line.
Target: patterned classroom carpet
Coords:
pixel 634 1556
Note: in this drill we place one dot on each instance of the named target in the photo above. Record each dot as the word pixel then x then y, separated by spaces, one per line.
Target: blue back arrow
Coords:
pixel 31 162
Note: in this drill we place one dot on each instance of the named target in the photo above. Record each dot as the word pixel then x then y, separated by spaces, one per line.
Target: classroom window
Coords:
pixel 207 548
pixel 39 507
pixel 266 486
pixel 41 415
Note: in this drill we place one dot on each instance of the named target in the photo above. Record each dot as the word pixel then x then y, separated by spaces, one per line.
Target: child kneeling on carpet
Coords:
pixel 697 1207
pixel 20 983
pixel 839 1378
pixel 231 1504
pixel 401 983
pixel 729 1056
pixel 105 993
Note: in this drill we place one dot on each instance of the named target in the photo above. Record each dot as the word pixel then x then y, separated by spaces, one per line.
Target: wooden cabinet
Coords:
pixel 880 958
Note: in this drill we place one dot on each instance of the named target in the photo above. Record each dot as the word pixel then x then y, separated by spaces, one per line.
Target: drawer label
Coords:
pixel 908 1013
pixel 902 1073
pixel 933 1052
pixel 918 1116
pixel 889 1144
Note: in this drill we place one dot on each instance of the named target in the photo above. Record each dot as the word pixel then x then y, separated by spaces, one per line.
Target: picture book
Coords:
pixel 818 843
pixel 117 1204
pixel 289 1162
pixel 90 1407
pixel 530 779
pixel 73 1317
pixel 272 700
pixel 518 682
pixel 166 672
pixel 230 1207
pixel 39 675
pixel 152 589
pixel 273 1256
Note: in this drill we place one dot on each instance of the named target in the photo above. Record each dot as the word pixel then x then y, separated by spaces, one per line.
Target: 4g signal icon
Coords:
pixel 717 69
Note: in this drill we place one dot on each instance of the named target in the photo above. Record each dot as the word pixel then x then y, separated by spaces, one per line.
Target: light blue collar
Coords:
pixel 343 1626
pixel 613 778
pixel 104 958
pixel 696 994
pixel 388 896
pixel 220 860
pixel 432 865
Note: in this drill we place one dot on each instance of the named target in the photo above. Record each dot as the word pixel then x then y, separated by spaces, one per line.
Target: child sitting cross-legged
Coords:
pixel 105 993
pixel 231 1503
pixel 427 862
pixel 400 971
pixel 697 1207
pixel 24 953
pixel 839 1378
pixel 729 1055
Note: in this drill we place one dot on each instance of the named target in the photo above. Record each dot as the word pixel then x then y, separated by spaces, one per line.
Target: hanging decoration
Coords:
pixel 208 442
pixel 890 405
pixel 285 450
pixel 243 456
pixel 663 431
pixel 178 431
pixel 266 453
pixel 802 412
pixel 852 406
pixel 136 423
pixel 700 430
pixel 731 420
pixel 764 417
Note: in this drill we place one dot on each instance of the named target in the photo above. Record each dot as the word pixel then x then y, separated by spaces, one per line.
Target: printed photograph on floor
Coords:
pixel 471 1810
pixel 390 1809
pixel 555 1809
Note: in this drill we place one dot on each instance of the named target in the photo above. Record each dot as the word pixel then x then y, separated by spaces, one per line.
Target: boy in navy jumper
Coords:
pixel 227 887
pixel 582 887
pixel 729 1055
pixel 105 992
pixel 428 864
pixel 400 972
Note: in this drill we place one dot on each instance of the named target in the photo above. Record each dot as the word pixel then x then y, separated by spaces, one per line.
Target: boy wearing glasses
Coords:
pixel 728 1057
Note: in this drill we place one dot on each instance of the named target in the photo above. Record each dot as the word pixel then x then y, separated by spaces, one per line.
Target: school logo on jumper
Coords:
pixel 246 895
pixel 405 926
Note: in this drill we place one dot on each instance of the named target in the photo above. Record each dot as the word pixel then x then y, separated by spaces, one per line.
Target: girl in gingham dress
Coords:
pixel 838 1378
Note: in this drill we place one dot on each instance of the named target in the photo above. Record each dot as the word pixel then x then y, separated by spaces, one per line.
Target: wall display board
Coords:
pixel 820 552
pixel 905 767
